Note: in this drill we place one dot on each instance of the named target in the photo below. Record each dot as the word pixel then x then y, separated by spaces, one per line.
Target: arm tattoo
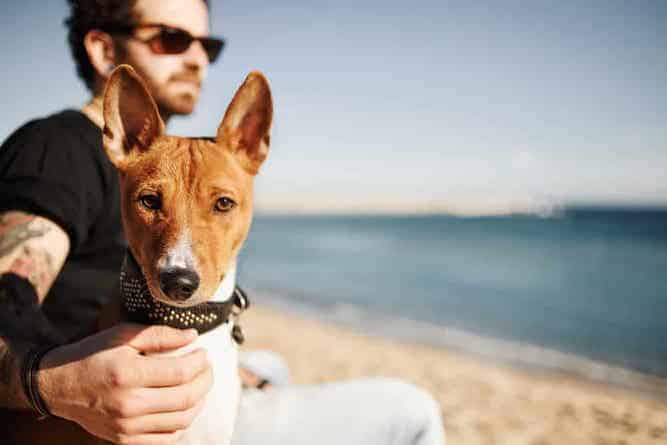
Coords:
pixel 18 230
pixel 33 263
pixel 36 265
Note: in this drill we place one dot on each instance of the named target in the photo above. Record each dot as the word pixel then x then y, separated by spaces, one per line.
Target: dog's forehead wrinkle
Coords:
pixel 196 158
pixel 188 157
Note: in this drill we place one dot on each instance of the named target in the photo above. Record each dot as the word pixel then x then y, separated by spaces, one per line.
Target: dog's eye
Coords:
pixel 224 204
pixel 151 202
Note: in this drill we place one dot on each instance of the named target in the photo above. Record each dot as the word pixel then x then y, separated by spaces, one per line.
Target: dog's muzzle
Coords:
pixel 140 306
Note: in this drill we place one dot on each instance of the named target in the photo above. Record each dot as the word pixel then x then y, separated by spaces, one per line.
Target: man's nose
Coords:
pixel 196 56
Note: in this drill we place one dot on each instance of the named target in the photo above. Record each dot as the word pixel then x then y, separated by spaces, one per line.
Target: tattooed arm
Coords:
pixel 32 247
pixel 32 251
pixel 107 382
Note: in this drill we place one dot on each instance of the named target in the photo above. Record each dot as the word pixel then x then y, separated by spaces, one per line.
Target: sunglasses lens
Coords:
pixel 174 41
pixel 177 41
pixel 213 47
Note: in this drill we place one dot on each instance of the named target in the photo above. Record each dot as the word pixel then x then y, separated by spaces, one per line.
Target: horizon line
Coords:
pixel 543 212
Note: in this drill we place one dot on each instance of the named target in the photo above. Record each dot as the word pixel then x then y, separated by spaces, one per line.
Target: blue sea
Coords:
pixel 590 282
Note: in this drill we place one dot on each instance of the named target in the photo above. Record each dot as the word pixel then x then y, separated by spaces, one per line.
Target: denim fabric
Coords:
pixel 355 412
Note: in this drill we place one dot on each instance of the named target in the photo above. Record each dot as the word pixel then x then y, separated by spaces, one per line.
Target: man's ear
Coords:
pixel 245 127
pixel 131 117
pixel 102 55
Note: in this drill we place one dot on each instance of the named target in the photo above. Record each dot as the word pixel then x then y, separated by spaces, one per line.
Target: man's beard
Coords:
pixel 181 102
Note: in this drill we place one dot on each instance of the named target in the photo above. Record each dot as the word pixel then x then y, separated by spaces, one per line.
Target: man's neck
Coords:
pixel 94 110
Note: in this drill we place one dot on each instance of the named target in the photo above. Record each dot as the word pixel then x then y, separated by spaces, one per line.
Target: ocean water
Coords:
pixel 590 282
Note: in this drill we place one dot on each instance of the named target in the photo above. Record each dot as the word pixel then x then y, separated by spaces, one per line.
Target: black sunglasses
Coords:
pixel 170 40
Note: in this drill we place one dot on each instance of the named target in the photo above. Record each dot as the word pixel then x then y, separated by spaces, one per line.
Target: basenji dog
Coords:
pixel 186 209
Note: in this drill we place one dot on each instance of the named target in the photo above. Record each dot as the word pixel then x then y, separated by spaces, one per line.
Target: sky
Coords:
pixel 383 105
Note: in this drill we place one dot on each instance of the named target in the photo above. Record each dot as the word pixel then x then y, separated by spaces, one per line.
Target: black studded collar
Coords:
pixel 140 307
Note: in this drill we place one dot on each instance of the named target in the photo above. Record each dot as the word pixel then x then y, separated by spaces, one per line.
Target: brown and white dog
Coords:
pixel 186 209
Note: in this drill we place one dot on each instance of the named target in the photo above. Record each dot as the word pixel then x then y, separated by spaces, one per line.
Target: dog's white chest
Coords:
pixel 215 423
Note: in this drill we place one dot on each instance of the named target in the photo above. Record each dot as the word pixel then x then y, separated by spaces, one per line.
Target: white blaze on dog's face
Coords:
pixel 186 203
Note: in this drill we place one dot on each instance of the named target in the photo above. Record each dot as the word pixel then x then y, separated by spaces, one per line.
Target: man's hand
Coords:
pixel 251 380
pixel 107 385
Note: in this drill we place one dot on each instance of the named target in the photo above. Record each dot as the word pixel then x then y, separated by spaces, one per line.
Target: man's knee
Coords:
pixel 417 401
pixel 267 365
pixel 416 409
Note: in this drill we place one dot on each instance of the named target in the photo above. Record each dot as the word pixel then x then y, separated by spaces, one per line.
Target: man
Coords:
pixel 61 237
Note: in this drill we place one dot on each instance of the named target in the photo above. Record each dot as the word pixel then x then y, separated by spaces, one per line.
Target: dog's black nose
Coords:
pixel 178 283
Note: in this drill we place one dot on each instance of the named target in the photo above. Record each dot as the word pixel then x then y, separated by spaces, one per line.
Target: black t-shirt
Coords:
pixel 56 168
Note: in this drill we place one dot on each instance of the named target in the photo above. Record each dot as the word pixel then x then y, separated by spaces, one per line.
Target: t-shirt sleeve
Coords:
pixel 43 170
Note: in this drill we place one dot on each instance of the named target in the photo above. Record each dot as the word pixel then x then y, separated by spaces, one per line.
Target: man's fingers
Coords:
pixel 171 371
pixel 152 439
pixel 161 339
pixel 178 398
pixel 159 371
pixel 160 423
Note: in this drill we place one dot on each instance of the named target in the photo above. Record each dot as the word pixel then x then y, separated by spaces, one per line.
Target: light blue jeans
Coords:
pixel 372 411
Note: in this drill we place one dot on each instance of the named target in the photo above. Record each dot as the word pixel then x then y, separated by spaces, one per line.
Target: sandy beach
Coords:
pixel 482 402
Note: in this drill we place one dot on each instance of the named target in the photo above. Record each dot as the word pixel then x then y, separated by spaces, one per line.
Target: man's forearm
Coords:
pixel 11 391
pixel 32 251
pixel 22 327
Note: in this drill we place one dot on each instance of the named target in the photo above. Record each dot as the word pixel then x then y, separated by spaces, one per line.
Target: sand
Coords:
pixel 482 402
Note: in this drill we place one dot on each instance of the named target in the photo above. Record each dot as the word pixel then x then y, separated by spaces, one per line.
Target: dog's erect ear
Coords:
pixel 247 122
pixel 131 117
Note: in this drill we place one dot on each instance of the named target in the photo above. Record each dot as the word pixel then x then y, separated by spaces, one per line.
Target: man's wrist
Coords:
pixel 11 391
pixel 51 386
pixel 30 383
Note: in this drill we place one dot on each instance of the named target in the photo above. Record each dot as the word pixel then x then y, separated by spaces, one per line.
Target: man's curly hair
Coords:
pixel 95 14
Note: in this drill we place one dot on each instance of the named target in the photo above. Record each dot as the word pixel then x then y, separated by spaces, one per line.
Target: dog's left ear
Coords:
pixel 131 117
pixel 247 122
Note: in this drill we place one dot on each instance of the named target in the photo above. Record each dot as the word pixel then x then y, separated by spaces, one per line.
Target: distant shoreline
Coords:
pixel 505 211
